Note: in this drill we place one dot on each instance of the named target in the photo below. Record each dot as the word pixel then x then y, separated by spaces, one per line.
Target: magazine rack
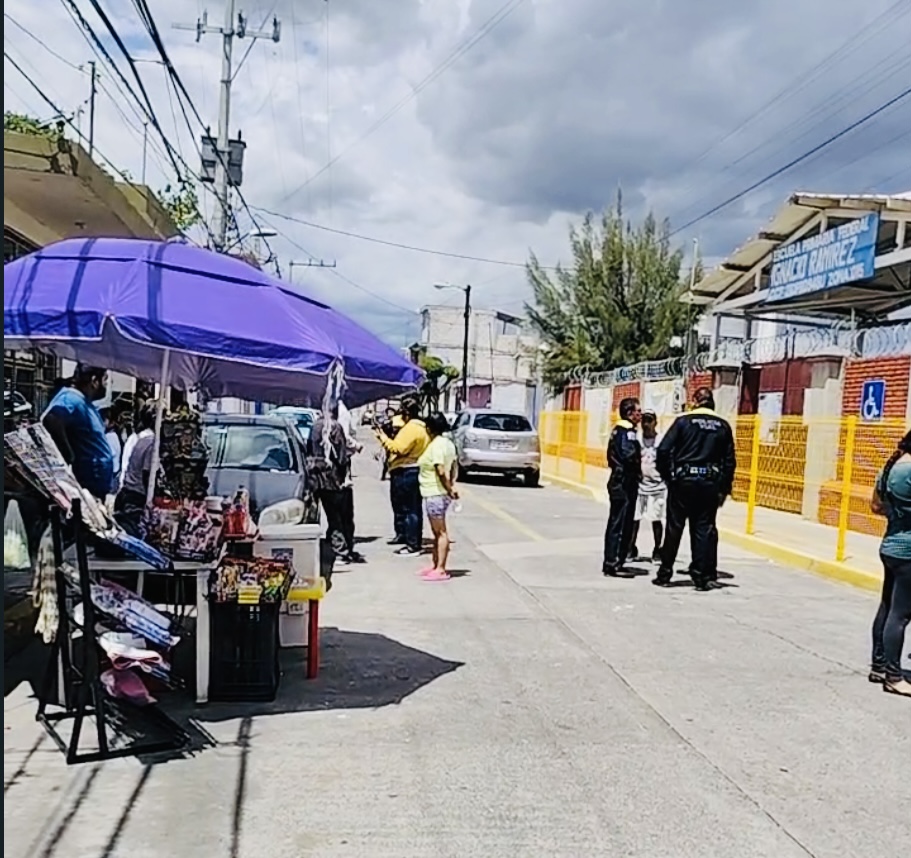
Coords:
pixel 81 694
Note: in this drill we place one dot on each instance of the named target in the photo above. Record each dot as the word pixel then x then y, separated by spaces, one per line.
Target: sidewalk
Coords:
pixel 785 538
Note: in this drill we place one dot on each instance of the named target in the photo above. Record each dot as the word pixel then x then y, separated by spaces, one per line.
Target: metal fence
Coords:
pixel 820 469
pixel 838 340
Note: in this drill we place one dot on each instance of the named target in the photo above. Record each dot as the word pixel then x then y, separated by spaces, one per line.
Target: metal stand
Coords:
pixel 82 693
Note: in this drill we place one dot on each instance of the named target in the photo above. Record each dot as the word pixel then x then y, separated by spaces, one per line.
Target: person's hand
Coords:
pixel 454 494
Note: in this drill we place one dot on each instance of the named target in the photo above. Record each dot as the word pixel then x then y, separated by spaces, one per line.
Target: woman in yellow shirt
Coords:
pixel 436 478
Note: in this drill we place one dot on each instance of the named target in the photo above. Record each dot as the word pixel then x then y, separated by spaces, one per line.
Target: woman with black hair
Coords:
pixel 892 498
pixel 436 479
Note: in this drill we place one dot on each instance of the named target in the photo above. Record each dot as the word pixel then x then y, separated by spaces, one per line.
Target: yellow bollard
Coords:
pixel 583 445
pixel 542 439
pixel 847 475
pixel 561 422
pixel 754 477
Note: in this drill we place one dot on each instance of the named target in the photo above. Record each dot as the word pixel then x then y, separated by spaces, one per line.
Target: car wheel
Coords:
pixel 461 473
pixel 532 479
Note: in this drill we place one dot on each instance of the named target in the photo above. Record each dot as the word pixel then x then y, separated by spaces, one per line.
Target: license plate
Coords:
pixel 504 445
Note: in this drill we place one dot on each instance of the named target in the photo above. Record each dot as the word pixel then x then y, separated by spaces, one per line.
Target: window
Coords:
pixel 502 423
pixel 249 447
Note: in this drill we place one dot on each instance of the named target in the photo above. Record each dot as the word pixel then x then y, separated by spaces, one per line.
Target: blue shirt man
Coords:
pixel 78 430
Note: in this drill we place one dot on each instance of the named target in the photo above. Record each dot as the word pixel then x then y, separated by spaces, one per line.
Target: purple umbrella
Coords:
pixel 213 322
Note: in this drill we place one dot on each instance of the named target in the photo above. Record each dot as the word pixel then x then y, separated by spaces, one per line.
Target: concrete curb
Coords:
pixel 831 569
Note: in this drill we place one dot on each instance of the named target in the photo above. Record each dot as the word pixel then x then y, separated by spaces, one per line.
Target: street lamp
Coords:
pixel 467 290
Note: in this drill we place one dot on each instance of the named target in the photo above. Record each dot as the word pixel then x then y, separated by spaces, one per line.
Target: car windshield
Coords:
pixel 249 447
pixel 502 423
pixel 303 420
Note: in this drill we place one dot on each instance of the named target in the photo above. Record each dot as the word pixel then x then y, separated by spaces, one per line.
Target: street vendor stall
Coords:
pixel 182 316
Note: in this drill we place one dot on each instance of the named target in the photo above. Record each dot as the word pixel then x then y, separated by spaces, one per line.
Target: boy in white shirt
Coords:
pixel 652 503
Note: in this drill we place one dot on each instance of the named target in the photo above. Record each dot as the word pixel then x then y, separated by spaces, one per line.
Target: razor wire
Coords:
pixel 837 341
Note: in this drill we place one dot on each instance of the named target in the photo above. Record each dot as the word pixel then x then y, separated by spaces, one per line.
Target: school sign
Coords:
pixel 841 255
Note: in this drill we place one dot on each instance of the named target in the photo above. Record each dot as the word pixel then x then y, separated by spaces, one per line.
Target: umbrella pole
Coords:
pixel 159 417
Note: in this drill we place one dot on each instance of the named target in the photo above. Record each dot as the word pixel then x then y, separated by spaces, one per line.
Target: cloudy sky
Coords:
pixel 483 128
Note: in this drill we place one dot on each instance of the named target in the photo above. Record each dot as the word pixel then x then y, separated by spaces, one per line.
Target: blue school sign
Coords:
pixel 873 400
pixel 838 256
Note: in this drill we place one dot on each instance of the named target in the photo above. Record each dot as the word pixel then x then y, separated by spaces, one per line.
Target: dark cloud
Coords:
pixel 557 107
pixel 538 121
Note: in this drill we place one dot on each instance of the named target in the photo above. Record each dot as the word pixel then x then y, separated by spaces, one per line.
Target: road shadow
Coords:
pixel 358 670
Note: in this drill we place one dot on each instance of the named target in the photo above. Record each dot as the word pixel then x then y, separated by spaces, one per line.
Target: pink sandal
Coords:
pixel 436 575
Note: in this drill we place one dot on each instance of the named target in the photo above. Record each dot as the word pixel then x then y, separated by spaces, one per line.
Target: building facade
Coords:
pixel 502 357
pixel 53 190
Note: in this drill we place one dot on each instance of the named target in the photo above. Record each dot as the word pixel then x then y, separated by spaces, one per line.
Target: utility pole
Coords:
pixel 225 176
pixel 691 338
pixel 465 330
pixel 310 263
pixel 94 79
pixel 145 149
pixel 466 326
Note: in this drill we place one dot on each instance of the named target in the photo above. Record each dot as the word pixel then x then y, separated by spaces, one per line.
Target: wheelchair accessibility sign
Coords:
pixel 872 400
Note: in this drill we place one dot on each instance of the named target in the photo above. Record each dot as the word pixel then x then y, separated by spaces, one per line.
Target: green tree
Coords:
pixel 22 123
pixel 438 376
pixel 618 303
pixel 182 204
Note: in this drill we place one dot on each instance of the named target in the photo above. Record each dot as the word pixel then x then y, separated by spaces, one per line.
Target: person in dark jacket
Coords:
pixel 624 458
pixel 328 464
pixel 696 459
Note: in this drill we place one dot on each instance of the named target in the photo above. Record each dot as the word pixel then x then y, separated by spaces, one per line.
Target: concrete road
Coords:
pixel 529 707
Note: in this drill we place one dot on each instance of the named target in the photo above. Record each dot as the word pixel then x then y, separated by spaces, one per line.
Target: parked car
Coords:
pixel 495 442
pixel 262 453
pixel 302 418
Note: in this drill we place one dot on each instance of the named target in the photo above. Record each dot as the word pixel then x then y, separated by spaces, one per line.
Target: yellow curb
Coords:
pixel 791 557
pixel 785 556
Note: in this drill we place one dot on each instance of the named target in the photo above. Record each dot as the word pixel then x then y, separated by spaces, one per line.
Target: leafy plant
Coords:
pixel 22 123
pixel 182 204
pixel 617 304
pixel 438 376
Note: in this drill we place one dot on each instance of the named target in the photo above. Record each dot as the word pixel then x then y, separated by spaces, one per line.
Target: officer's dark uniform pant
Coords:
pixel 618 535
pixel 698 503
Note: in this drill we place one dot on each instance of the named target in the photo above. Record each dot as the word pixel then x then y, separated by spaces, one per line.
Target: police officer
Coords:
pixel 624 458
pixel 696 459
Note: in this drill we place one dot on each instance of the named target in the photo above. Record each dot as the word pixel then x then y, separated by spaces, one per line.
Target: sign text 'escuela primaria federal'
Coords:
pixel 843 254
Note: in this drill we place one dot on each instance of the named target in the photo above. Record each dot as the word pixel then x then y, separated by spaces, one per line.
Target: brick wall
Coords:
pixel 874 442
pixel 895 371
pixel 696 380
pixel 622 391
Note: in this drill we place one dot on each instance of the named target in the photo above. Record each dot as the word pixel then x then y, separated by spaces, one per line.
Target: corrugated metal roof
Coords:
pixel 796 213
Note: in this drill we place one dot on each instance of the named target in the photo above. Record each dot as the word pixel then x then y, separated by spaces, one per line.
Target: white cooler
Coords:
pixel 292 624
pixel 298 543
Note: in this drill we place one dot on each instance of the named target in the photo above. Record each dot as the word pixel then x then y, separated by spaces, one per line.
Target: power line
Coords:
pixel 398 245
pixel 457 53
pixel 96 44
pixel 794 162
pixel 853 43
pixel 148 21
pixel 43 44
pixel 59 114
pixel 351 282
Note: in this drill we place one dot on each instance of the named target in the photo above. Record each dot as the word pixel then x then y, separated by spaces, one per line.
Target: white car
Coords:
pixel 496 442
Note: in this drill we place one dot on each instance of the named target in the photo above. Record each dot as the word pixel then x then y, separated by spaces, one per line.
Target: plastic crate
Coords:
pixel 244 651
